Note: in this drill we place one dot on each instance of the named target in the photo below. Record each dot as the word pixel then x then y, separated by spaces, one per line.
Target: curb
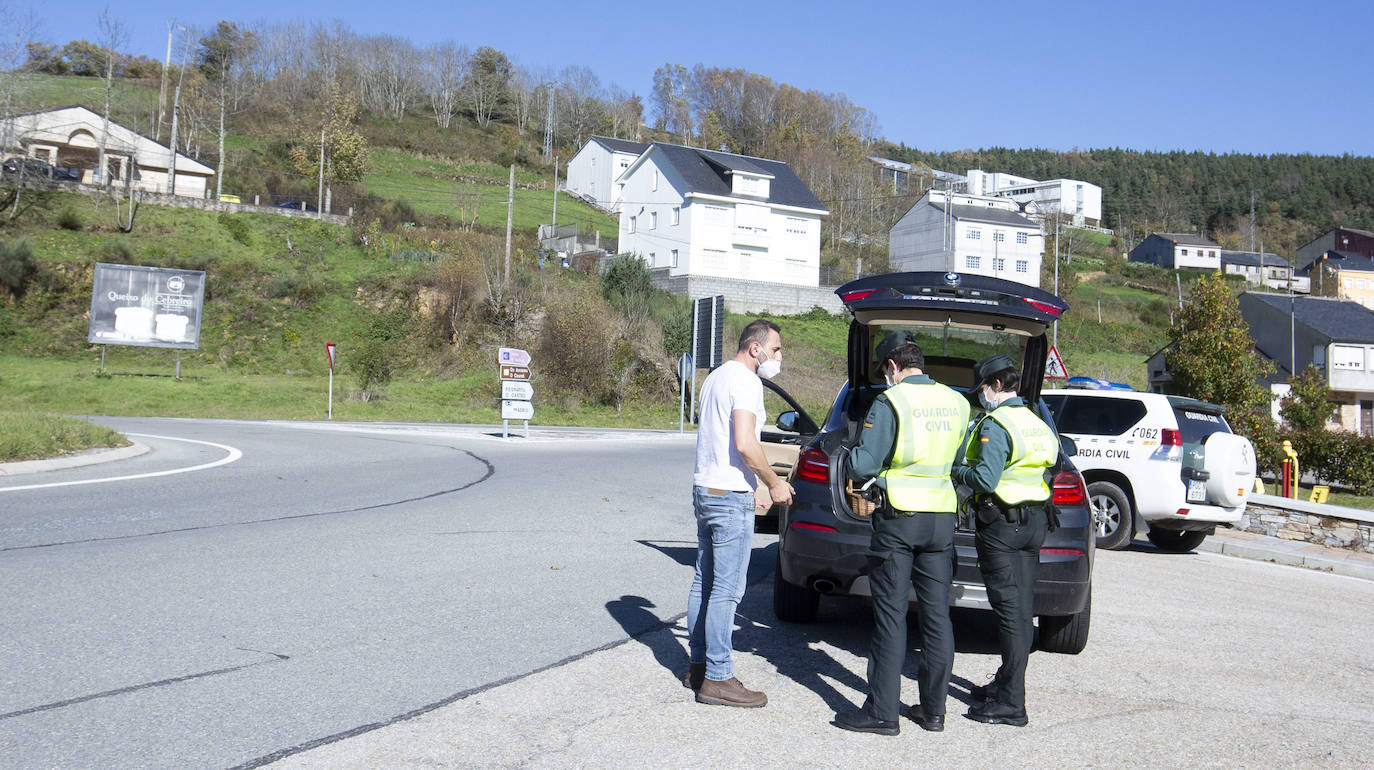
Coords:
pixel 1294 553
pixel 88 457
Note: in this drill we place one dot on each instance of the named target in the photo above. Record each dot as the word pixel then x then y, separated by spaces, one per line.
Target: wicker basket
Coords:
pixel 860 505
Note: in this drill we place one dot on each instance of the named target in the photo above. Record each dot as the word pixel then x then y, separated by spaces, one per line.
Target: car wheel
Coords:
pixel 1175 541
pixel 1112 514
pixel 1066 634
pixel 793 604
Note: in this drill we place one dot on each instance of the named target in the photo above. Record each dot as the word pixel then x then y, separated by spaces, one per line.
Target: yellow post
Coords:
pixel 1292 455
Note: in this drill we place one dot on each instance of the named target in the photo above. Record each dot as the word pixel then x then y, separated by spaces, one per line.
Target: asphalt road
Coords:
pixel 411 596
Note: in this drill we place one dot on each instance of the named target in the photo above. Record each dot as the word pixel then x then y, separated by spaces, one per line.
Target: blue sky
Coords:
pixel 1224 76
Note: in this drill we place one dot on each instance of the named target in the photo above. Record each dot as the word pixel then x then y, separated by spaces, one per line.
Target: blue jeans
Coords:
pixel 724 536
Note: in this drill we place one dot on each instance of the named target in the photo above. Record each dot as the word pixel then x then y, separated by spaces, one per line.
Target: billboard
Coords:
pixel 147 306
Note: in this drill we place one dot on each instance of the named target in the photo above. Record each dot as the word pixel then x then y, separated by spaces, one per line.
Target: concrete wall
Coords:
pixel 751 296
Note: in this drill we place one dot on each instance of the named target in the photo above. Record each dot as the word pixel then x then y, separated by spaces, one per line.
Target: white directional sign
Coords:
pixel 516 410
pixel 514 356
pixel 517 391
pixel 1054 366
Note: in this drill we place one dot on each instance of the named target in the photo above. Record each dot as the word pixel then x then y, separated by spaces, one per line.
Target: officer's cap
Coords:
pixel 890 343
pixel 992 365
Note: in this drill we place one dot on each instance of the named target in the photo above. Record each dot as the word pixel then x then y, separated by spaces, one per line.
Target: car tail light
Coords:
pixel 1043 307
pixel 809 525
pixel 813 465
pixel 1068 489
pixel 1170 437
pixel 855 296
pixel 1182 511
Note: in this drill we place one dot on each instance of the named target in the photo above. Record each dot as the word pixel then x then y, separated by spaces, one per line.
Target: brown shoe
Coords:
pixel 729 693
pixel 694 677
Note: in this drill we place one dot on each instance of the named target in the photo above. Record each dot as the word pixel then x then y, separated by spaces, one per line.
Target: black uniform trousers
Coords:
pixel 925 542
pixel 1009 556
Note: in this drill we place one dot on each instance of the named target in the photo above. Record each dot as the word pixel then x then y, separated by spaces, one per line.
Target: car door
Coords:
pixel 782 442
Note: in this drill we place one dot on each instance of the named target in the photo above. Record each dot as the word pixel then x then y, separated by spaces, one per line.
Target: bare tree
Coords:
pixel 446 65
pixel 579 105
pixel 218 60
pixel 112 36
pixel 388 75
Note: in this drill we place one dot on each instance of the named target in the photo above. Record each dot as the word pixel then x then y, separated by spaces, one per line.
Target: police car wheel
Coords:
pixel 1112 515
pixel 1175 541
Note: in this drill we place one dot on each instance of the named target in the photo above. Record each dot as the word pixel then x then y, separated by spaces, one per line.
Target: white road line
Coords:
pixel 232 456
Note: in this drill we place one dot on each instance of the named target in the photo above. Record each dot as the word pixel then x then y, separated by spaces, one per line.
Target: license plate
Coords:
pixel 1197 491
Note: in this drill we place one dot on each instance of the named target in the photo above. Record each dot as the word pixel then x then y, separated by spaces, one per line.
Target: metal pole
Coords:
pixel 510 214
pixel 330 412
pixel 555 197
pixel 505 429
pixel 102 358
pixel 178 363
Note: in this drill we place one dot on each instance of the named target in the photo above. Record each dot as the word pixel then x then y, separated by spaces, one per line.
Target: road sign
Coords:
pixel 514 356
pixel 515 372
pixel 517 391
pixel 516 410
pixel 684 367
pixel 329 349
pixel 1054 366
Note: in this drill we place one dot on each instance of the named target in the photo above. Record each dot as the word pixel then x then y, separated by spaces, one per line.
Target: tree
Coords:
pixel 112 35
pixel 1212 356
pixel 336 140
pixel 1306 406
pixel 672 100
pixel 445 65
pixel 217 59
pixel 487 87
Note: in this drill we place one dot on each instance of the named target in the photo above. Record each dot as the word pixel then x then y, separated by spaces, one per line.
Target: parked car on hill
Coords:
pixel 298 205
pixel 957 319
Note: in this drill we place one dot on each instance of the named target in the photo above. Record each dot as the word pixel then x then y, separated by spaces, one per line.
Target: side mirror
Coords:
pixel 1069 446
pixel 787 421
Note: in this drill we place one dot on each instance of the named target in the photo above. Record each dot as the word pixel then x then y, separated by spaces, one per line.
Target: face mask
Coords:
pixel 769 368
pixel 988 404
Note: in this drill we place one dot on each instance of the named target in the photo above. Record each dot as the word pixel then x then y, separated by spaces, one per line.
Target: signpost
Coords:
pixel 685 370
pixel 329 350
pixel 516 390
pixel 1054 366
pixel 147 307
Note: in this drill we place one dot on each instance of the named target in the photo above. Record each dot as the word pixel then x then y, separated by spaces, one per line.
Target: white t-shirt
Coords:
pixel 719 464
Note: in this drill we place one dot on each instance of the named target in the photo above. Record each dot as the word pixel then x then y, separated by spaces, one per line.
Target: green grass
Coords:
pixel 30 435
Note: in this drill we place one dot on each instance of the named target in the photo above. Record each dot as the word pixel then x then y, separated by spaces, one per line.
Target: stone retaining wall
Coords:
pixel 751 296
pixel 1330 525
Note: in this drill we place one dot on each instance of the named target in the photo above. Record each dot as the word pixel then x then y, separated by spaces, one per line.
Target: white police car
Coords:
pixel 1166 464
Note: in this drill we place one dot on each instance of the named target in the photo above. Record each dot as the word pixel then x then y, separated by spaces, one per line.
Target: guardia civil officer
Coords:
pixel 1009 451
pixel 910 439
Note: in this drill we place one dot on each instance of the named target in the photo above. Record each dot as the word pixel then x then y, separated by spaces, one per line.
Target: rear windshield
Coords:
pixel 1094 416
pixel 950 352
pixel 1195 427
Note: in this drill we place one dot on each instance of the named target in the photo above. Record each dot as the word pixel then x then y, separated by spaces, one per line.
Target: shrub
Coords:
pixel 237 228
pixel 116 251
pixel 69 220
pixel 17 266
pixel 1337 457
pixel 371 367
pixel 579 340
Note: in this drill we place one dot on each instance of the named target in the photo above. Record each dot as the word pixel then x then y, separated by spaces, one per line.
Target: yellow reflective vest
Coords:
pixel 930 430
pixel 1034 447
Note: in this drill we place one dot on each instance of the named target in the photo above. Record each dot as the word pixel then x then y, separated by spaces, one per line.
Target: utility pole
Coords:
pixel 548 123
pixel 510 217
pixel 1252 226
pixel 176 105
pixel 162 90
pixel 555 196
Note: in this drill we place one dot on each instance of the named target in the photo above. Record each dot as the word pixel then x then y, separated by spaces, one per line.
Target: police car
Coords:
pixel 1166 465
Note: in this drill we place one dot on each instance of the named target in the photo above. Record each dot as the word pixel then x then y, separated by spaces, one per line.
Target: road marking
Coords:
pixel 232 456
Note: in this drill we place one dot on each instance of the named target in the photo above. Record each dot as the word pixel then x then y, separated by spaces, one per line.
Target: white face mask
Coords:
pixel 887 377
pixel 769 368
pixel 989 404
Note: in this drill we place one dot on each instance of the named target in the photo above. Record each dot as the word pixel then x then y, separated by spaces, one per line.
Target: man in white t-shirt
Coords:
pixel 730 461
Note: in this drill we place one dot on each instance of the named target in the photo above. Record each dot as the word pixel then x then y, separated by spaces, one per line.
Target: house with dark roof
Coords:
pixel 1342 274
pixel 593 170
pixel 72 136
pixel 1335 336
pixel 968 234
pixel 1344 239
pixel 1182 251
pixel 704 213
pixel 1262 269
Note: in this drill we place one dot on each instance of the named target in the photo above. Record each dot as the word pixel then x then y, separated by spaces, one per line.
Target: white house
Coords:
pixel 967 234
pixel 714 214
pixel 1182 251
pixel 1080 201
pixel 593 170
pixel 70 136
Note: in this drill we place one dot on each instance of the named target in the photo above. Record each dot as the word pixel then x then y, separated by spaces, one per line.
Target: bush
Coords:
pixel 237 228
pixel 17 266
pixel 371 367
pixel 579 341
pixel 1338 457
pixel 69 220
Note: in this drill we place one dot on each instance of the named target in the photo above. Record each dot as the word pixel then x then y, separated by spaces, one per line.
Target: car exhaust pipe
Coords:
pixel 822 585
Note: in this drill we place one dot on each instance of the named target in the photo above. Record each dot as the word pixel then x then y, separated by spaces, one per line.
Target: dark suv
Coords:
pixel 957 319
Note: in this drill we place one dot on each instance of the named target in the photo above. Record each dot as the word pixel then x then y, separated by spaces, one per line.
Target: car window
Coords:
pixel 1194 427
pixel 950 352
pixel 1095 416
